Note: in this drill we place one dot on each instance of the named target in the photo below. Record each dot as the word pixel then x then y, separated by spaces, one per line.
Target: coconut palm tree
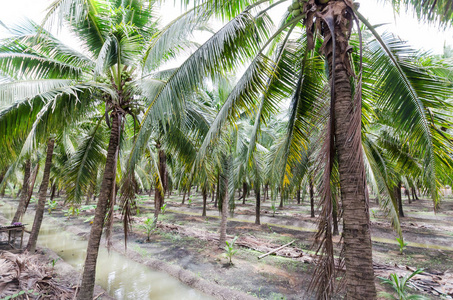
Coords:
pixel 122 49
pixel 290 64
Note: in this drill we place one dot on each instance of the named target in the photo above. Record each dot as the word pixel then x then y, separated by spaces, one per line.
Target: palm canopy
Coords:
pixel 49 85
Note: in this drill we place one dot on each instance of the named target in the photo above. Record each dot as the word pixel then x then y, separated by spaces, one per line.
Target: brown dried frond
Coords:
pixel 23 272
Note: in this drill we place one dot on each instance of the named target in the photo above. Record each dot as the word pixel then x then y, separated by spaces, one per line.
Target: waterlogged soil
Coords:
pixel 429 236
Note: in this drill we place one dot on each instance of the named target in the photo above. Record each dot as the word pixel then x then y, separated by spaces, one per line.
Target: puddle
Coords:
pixel 120 276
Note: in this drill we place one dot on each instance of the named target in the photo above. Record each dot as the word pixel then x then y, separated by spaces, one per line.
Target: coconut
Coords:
pixel 295 5
pixel 295 13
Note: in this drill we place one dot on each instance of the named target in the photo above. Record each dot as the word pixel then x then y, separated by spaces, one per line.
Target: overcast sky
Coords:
pixel 405 26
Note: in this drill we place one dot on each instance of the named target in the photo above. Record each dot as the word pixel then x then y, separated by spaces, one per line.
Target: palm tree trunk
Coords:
pixel 217 197
pixel 281 199
pixel 183 197
pixel 223 222
pixel 356 219
pixel 406 191
pixel 90 193
pixel 205 198
pixel 258 204
pixel 414 194
pixel 32 186
pixel 89 270
pixel 24 193
pixel 31 246
pixel 213 193
pixel 244 192
pixel 52 193
pixel 298 195
pixel 399 199
pixel 312 197
pixel 335 218
pixel 2 176
pixel 158 194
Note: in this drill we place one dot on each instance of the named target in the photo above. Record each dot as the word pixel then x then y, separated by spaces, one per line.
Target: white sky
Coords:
pixel 405 26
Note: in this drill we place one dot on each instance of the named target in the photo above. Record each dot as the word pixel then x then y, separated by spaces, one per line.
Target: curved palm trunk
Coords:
pixel 406 191
pixel 41 198
pixel 23 194
pixel 52 193
pixel 32 186
pixel 414 194
pixel 89 271
pixel 356 219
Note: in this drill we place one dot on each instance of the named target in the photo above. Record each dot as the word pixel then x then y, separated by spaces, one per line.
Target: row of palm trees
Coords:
pixel 320 104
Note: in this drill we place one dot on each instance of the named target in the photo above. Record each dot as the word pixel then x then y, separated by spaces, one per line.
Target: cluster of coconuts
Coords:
pixel 297 8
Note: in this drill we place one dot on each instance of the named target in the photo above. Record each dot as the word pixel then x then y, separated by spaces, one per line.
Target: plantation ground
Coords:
pixel 185 240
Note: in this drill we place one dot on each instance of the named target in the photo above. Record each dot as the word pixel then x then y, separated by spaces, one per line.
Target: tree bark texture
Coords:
pixel 158 194
pixel 406 191
pixel 213 193
pixel 2 191
pixel 399 199
pixel 414 194
pixel 335 218
pixel 281 199
pixel 356 219
pixel 24 193
pixel 32 186
pixel 312 197
pixel 298 195
pixel 223 222
pixel 217 197
pixel 205 199
pixel 52 193
pixel 31 246
pixel 89 271
pixel 244 192
pixel 258 204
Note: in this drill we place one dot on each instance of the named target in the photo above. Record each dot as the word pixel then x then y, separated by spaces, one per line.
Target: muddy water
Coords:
pixel 121 277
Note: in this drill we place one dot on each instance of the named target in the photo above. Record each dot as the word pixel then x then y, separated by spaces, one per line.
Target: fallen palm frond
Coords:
pixel 24 276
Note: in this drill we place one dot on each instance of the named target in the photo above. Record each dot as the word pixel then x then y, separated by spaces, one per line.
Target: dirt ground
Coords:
pixel 429 236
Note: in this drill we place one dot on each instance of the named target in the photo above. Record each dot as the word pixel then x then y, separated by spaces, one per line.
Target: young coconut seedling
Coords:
pixel 402 245
pixel 149 226
pixel 400 285
pixel 229 249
